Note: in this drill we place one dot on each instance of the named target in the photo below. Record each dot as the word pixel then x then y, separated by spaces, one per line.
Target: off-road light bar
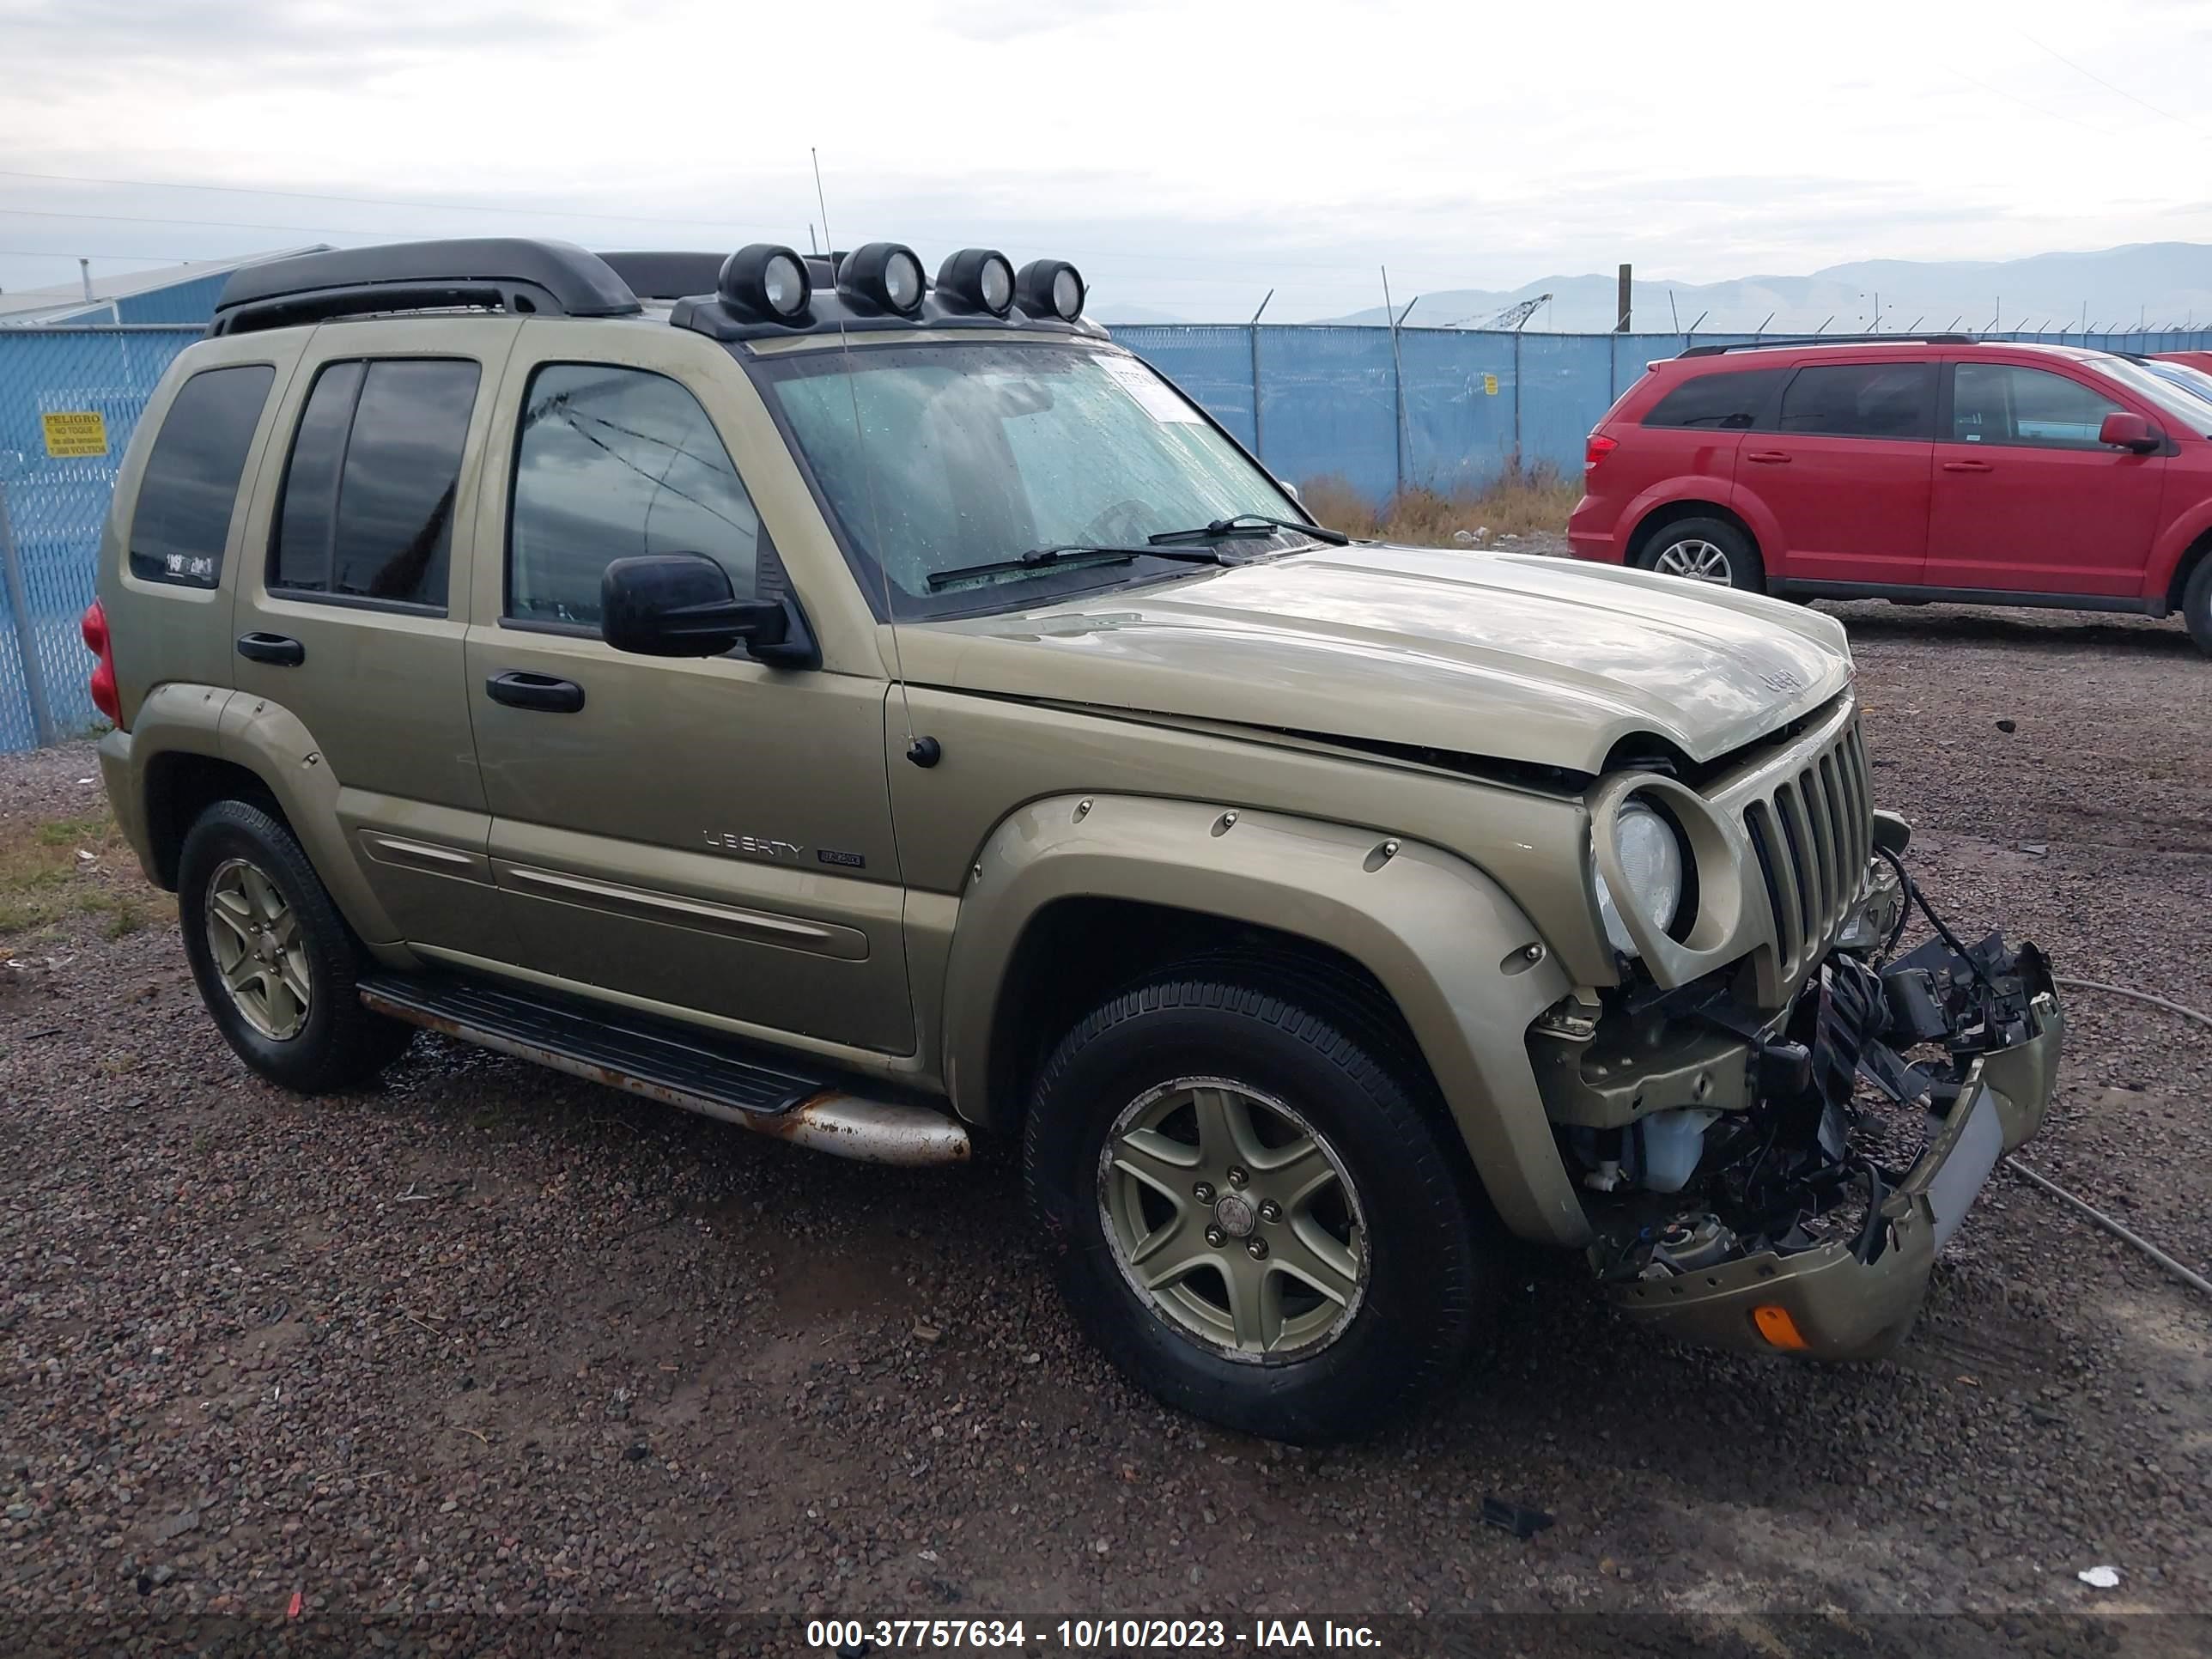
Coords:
pixel 885 275
pixel 1050 288
pixel 768 281
pixel 977 279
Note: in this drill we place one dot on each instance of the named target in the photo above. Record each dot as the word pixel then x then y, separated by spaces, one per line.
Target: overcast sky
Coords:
pixel 1189 155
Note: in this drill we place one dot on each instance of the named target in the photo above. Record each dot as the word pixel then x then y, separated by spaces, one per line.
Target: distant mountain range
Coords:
pixel 2154 282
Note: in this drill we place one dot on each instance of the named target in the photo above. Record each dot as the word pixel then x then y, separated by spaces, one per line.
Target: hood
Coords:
pixel 1510 656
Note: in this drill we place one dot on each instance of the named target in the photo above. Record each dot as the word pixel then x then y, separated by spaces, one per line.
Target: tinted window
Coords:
pixel 1862 400
pixel 2000 403
pixel 182 517
pixel 1725 401
pixel 367 511
pixel 614 461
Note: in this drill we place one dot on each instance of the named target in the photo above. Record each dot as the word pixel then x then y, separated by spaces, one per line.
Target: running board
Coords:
pixel 738 1083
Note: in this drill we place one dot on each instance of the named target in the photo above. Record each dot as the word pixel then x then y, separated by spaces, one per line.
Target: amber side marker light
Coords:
pixel 1776 1325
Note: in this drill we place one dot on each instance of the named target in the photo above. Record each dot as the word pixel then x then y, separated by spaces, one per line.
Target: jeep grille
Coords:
pixel 1813 833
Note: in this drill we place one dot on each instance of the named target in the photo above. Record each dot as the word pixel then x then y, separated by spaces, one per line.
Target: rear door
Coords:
pixel 351 610
pixel 1842 467
pixel 2026 501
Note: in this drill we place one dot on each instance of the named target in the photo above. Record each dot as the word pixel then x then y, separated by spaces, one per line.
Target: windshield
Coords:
pixel 2185 404
pixel 977 454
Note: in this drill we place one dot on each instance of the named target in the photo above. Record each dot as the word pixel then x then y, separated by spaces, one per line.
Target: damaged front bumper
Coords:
pixel 1801 1240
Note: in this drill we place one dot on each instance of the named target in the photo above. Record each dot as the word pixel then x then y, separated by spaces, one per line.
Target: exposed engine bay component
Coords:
pixel 1808 1220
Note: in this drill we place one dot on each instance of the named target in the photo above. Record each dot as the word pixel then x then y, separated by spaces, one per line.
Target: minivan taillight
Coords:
pixel 1596 449
pixel 105 697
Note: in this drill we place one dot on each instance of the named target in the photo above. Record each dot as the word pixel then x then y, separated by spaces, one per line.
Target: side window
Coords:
pixel 182 517
pixel 1861 400
pixel 2003 404
pixel 368 506
pixel 1723 401
pixel 612 462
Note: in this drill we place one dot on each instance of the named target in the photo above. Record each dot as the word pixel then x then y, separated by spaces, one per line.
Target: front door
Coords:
pixel 692 835
pixel 1843 468
pixel 355 596
pixel 2026 499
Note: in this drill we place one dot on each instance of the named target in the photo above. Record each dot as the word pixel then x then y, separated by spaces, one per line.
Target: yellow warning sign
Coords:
pixel 76 432
pixel 1489 390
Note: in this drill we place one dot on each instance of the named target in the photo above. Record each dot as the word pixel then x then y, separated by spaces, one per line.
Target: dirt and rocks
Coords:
pixel 491 1342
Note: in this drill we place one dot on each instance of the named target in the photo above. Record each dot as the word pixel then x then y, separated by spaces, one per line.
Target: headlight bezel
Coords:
pixel 1714 907
pixel 1629 818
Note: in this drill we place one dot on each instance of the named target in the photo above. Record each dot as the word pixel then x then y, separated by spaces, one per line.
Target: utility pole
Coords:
pixel 1253 329
pixel 1397 376
pixel 1621 307
pixel 84 275
pixel 1672 312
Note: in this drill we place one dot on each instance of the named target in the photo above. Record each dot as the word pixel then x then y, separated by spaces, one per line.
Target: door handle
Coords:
pixel 1968 466
pixel 517 690
pixel 1768 456
pixel 276 648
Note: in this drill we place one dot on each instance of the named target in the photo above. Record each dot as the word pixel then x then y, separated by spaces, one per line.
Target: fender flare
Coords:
pixel 263 738
pixel 1447 943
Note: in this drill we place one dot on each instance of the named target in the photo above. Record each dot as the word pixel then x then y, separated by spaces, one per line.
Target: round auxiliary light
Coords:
pixel 768 281
pixel 885 275
pixel 977 279
pixel 1050 288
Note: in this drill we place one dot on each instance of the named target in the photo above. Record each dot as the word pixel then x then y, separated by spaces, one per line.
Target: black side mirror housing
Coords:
pixel 682 605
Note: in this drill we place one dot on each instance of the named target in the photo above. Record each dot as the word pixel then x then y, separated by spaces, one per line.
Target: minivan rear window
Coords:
pixel 182 517
pixel 1725 402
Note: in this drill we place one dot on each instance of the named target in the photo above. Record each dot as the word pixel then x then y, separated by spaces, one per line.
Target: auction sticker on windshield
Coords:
pixel 1151 392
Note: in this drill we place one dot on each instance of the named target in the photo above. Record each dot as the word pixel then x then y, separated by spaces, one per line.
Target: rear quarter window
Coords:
pixel 1727 402
pixel 182 519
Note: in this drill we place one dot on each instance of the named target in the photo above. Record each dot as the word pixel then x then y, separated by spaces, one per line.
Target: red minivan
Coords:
pixel 1933 468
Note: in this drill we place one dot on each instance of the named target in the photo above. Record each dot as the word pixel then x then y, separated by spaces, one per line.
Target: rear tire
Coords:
pixel 1327 1158
pixel 2196 603
pixel 1707 550
pixel 275 963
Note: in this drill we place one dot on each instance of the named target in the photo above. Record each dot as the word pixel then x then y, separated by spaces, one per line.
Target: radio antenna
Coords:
pixel 922 751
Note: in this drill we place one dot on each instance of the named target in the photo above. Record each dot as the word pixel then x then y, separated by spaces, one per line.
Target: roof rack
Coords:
pixel 667 275
pixel 1831 339
pixel 506 273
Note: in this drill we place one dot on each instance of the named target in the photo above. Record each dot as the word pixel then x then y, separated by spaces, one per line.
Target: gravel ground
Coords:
pixel 489 1340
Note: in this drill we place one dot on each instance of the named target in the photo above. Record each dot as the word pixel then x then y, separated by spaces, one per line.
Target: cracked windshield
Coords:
pixel 978 455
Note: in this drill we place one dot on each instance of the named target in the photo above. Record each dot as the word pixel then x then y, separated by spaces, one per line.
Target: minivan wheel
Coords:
pixel 1705 550
pixel 2197 604
pixel 1253 1216
pixel 275 962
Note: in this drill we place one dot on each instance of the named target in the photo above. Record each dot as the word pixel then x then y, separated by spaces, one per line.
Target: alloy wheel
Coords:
pixel 1233 1219
pixel 258 952
pixel 1699 561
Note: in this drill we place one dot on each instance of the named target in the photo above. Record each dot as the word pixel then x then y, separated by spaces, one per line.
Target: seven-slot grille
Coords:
pixel 1813 833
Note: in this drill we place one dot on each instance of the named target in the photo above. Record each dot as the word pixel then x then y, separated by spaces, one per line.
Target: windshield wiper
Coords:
pixel 1249 524
pixel 1038 558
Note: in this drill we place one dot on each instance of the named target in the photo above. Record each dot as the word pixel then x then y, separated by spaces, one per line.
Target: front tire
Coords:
pixel 275 962
pixel 2197 604
pixel 1706 551
pixel 1257 1219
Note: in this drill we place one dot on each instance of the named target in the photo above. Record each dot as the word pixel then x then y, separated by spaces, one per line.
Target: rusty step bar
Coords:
pixel 753 1087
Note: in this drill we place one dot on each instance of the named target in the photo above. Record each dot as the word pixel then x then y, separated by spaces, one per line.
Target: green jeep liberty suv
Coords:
pixel 877 711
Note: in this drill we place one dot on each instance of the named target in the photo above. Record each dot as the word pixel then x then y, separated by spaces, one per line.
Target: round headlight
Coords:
pixel 1050 288
pixel 768 281
pixel 996 285
pixel 1652 864
pixel 902 282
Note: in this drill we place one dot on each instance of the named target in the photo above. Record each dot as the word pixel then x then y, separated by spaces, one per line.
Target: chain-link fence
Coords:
pixel 70 399
pixel 1441 409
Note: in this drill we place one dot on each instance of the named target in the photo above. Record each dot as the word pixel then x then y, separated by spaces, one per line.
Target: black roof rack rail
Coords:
pixel 507 273
pixel 667 275
pixel 1831 339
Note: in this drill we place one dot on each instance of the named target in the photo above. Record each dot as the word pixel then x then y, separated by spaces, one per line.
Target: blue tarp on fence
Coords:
pixel 1447 408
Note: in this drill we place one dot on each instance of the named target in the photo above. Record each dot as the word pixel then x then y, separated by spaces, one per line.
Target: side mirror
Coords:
pixel 2125 431
pixel 682 605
